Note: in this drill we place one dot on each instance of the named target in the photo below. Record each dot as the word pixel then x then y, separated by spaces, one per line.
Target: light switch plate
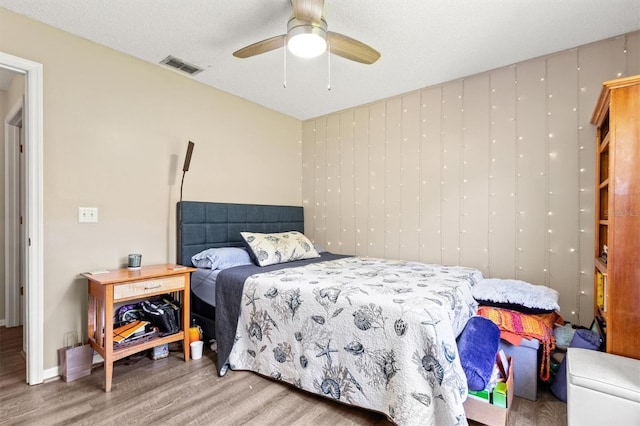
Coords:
pixel 87 214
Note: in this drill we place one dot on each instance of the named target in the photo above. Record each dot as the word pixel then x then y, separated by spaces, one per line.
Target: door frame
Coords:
pixel 34 284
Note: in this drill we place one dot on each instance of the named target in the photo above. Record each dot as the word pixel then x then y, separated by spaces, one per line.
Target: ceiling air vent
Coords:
pixel 181 65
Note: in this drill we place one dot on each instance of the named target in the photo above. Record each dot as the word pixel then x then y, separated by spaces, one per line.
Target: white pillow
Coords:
pixel 270 249
pixel 516 292
pixel 221 258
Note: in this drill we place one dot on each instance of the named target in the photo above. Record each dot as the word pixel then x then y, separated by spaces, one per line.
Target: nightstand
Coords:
pixel 124 285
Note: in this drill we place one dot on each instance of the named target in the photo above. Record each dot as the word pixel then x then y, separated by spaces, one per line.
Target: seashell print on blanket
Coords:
pixel 375 333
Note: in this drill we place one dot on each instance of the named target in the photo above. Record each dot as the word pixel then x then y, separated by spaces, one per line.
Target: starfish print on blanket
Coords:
pixel 326 350
pixel 252 298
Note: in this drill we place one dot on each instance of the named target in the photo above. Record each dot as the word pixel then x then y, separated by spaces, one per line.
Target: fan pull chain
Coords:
pixel 329 64
pixel 284 78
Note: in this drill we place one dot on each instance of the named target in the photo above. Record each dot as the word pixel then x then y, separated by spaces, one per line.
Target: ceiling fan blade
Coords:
pixel 308 10
pixel 261 47
pixel 352 49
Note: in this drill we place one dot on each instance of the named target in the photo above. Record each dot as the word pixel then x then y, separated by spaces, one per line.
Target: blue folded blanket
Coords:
pixel 477 347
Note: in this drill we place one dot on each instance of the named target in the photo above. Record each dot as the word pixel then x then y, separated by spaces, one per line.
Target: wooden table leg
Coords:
pixel 108 338
pixel 108 374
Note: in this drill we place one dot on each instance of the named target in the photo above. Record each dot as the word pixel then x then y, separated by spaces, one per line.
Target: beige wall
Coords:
pixel 493 171
pixel 3 113
pixel 16 91
pixel 115 135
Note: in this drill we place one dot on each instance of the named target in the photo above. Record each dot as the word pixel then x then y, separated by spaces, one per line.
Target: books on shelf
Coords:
pixel 129 330
pixel 604 293
pixel 601 291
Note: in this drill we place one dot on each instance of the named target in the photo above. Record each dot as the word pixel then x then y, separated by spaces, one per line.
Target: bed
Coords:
pixel 203 225
pixel 374 333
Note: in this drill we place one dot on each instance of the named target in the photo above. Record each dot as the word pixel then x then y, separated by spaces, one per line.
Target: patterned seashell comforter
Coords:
pixel 374 333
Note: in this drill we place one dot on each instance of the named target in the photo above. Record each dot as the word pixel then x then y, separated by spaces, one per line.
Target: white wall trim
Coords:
pixel 51 373
pixel 34 288
pixel 1 322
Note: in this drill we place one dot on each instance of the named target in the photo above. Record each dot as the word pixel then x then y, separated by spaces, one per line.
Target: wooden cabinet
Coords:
pixel 617 213
pixel 124 285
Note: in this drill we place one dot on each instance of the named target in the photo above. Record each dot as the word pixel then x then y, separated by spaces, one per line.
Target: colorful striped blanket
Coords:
pixel 530 326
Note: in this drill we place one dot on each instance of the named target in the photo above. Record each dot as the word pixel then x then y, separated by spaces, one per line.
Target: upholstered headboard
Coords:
pixel 203 225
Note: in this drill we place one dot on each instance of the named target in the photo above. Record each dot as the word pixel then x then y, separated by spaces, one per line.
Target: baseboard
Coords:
pixel 2 322
pixel 53 373
pixel 50 374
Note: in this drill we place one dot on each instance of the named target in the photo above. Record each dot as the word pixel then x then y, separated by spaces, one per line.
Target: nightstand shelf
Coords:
pixel 124 285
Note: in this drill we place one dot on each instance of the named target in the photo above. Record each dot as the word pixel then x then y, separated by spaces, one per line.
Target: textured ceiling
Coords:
pixel 422 42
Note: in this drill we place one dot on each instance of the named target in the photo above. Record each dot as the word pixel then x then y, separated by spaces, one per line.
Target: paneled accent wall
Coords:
pixel 493 171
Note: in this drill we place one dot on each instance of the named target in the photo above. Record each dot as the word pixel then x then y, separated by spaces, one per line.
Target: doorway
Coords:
pixel 33 239
pixel 14 208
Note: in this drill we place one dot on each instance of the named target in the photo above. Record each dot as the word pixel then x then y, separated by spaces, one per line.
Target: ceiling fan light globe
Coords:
pixel 306 39
pixel 307 45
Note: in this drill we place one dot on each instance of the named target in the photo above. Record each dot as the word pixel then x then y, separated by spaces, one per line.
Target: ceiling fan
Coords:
pixel 307 37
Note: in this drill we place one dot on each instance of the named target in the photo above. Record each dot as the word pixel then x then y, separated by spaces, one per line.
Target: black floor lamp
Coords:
pixel 185 168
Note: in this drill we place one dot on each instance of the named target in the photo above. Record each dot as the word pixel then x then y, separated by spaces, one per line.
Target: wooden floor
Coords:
pixel 170 391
